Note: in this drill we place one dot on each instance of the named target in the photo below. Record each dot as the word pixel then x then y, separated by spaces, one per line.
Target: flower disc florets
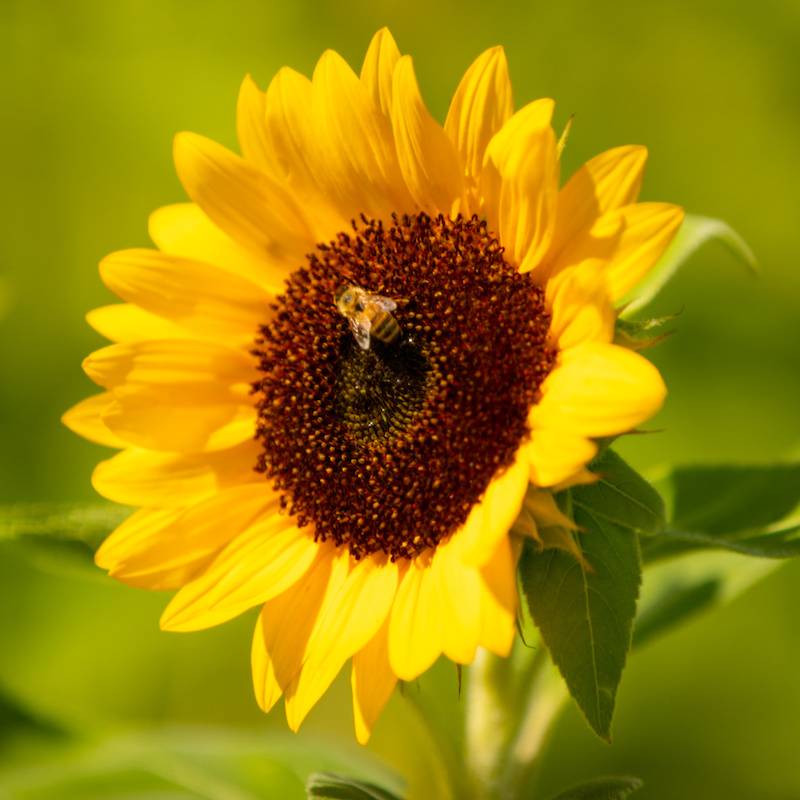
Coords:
pixel 387 449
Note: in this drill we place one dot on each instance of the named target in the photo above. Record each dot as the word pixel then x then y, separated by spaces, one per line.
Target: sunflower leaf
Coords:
pixel 621 496
pixel 585 611
pixel 88 522
pixel 737 508
pixel 60 538
pixel 612 788
pixel 329 786
pixel 694 233
pixel 674 601
pixel 720 500
pixel 602 789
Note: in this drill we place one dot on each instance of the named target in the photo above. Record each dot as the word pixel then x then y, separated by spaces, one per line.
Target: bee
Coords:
pixel 368 314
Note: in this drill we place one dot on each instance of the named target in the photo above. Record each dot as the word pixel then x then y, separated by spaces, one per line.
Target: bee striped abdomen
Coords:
pixel 385 328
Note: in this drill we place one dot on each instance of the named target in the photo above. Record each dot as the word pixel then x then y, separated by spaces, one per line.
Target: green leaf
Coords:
pixel 733 508
pixel 190 762
pixel 676 601
pixel 602 789
pixel 722 500
pixel 777 544
pixel 641 334
pixel 60 538
pixel 694 233
pixel 328 786
pixel 585 613
pixel 675 590
pixel 89 523
pixel 621 496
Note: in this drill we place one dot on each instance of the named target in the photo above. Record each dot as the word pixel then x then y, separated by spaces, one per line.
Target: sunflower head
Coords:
pixel 353 356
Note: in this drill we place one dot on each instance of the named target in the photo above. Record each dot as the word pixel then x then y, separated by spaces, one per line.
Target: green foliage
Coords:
pixel 195 762
pixel 585 612
pixel 621 495
pixel 737 509
pixel 675 601
pixel 327 786
pixel 602 789
pixel 694 233
pixel 60 537
pixel 732 508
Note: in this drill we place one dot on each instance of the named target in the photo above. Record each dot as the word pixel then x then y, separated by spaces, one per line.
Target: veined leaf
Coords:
pixel 723 500
pixel 328 786
pixel 621 495
pixel 694 233
pixel 602 789
pixel 585 612
pixel 775 544
pixel 731 508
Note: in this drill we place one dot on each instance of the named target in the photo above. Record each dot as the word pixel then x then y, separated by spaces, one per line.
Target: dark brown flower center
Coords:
pixel 386 449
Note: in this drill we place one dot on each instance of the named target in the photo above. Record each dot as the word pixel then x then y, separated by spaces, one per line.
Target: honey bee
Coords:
pixel 368 315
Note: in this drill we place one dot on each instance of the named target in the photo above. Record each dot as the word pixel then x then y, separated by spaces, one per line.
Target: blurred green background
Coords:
pixel 92 95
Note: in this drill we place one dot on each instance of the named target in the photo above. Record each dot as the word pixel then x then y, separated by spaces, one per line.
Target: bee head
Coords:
pixel 344 297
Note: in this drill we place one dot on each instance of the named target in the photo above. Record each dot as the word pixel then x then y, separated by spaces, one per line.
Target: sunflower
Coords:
pixel 362 489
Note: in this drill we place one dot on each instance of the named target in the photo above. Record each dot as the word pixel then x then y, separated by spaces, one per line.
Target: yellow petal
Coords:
pixel 180 419
pixel 417 619
pixel 166 548
pixel 250 125
pixel 372 682
pixel 176 395
pixel 378 68
pixel 583 477
pixel 265 683
pixel 598 390
pixel 630 239
pixel 347 620
pixel 256 566
pixel 85 419
pixel 481 105
pixel 461 599
pixel 491 518
pixel 555 455
pixel 202 298
pixel 144 478
pixel 293 151
pixel 172 362
pixel 580 307
pixel 530 119
pixel 648 230
pixel 124 322
pixel 543 507
pixel 520 184
pixel 499 600
pixel 247 204
pixel 604 183
pixel 286 623
pixel 427 158
pixel 184 230
pixel 357 163
pixel 289 620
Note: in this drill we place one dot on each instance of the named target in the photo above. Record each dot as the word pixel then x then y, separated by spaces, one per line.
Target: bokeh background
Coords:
pixel 92 93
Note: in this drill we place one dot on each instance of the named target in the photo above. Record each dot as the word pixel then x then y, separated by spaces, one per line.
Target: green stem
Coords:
pixel 509 714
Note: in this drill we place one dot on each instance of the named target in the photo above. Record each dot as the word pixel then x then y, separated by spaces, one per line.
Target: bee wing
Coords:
pixel 383 303
pixel 360 326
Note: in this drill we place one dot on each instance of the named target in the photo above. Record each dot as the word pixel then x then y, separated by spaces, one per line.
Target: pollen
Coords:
pixel 386 449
